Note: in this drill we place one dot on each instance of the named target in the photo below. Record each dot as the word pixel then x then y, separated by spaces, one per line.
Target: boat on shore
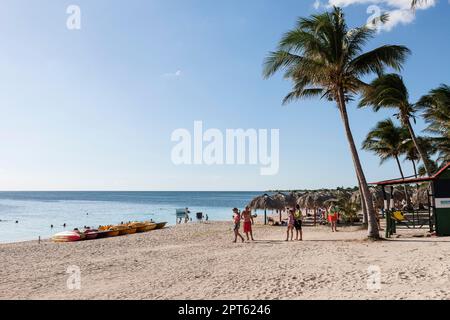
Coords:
pixel 108 231
pixel 160 225
pixel 149 226
pixel 68 236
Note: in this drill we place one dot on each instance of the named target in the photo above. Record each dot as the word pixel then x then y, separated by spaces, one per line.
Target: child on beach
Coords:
pixel 248 221
pixel 291 225
pixel 298 224
pixel 237 225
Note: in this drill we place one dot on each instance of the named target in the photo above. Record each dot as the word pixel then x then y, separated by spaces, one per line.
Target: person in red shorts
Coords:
pixel 248 222
pixel 333 217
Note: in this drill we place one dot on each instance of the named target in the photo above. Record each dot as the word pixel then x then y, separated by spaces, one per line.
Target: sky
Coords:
pixel 94 108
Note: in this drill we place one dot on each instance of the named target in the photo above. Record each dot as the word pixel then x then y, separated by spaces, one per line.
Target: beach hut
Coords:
pixel 438 203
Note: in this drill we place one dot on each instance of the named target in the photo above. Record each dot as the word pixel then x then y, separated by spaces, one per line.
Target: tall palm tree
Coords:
pixel 427 144
pixel 388 141
pixel 436 112
pixel 389 91
pixel 324 58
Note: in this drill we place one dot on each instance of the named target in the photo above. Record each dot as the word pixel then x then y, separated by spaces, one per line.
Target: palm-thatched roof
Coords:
pixel 314 199
pixel 267 202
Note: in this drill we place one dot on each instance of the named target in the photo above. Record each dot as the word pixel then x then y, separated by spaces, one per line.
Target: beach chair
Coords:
pixel 200 216
pixel 181 214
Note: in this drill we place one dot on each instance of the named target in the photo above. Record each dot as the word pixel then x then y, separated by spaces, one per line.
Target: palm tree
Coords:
pixel 389 91
pixel 427 144
pixel 348 206
pixel 388 141
pixel 324 58
pixel 436 112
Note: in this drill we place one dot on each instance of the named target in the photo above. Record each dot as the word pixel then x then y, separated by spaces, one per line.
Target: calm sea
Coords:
pixel 36 211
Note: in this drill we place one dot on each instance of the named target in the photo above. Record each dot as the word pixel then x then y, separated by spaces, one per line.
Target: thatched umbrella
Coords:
pixel 265 202
pixel 306 200
pixel 377 197
pixel 313 200
pixel 420 196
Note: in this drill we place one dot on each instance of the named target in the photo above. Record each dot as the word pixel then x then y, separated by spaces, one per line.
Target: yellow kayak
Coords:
pixel 139 226
pixel 125 229
pixel 149 226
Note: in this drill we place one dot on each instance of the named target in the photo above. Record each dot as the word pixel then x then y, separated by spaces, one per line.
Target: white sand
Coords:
pixel 199 261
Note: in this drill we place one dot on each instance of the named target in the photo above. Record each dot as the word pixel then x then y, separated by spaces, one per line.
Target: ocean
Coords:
pixel 37 211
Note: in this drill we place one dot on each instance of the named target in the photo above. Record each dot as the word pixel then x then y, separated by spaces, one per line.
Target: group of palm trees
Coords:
pixel 324 58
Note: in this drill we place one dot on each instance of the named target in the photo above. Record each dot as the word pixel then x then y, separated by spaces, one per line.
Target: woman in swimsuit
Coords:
pixel 291 224
pixel 237 225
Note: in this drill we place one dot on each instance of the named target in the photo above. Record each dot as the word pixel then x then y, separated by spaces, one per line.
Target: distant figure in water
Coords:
pixel 64 225
pixel 17 221
pixel 87 213
pixel 51 226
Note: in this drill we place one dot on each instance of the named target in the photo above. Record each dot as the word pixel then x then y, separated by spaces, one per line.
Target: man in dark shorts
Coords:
pixel 298 215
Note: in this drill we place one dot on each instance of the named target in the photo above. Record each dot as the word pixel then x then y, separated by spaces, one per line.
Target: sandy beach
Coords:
pixel 199 261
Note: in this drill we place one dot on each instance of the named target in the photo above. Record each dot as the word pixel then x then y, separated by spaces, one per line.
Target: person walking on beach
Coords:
pixel 291 225
pixel 248 222
pixel 237 225
pixel 298 223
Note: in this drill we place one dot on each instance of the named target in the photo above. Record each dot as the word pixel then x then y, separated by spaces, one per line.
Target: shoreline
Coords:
pixel 199 261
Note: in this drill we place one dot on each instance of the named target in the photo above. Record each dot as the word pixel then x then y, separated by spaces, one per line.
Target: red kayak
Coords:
pixel 68 236
pixel 91 234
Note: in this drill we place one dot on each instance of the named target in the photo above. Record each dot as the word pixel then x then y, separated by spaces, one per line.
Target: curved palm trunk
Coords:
pixel 422 154
pixel 403 177
pixel 363 205
pixel 373 230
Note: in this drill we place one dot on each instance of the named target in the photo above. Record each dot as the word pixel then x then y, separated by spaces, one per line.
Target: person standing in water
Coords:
pixel 237 225
pixel 248 222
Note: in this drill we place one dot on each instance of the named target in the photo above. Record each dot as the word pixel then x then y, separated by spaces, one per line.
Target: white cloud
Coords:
pixel 317 4
pixel 399 10
pixel 175 74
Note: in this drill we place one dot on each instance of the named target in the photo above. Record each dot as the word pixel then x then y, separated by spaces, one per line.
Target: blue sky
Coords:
pixel 94 109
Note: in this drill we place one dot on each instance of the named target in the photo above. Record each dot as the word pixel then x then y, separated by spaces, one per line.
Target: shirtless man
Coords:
pixel 248 222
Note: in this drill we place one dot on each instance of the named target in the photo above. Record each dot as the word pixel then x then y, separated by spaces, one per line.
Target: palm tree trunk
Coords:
pixel 415 168
pixel 363 206
pixel 422 154
pixel 373 230
pixel 403 177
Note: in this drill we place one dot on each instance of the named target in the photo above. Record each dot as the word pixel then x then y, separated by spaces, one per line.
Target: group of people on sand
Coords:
pixel 294 222
pixel 247 217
